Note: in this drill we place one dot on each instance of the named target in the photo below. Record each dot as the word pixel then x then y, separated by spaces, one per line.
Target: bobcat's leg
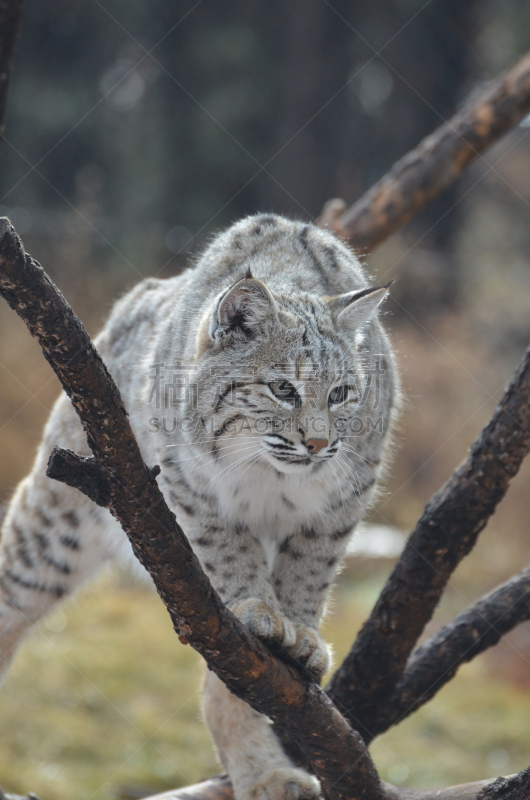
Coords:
pixel 235 562
pixel 52 537
pixel 302 574
pixel 250 750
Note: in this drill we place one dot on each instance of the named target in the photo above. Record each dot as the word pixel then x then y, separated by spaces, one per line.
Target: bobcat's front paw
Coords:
pixel 265 621
pixel 311 651
pixel 282 784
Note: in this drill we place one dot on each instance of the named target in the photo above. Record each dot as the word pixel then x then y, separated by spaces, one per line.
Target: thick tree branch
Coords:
pixel 446 532
pixel 510 788
pixel 434 663
pixel 516 787
pixel 299 708
pixel 424 173
pixel 10 17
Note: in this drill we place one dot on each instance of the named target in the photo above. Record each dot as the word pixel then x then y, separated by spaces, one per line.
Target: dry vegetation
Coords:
pixel 115 712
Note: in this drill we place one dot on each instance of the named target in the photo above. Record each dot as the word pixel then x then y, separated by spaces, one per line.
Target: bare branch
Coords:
pixel 80 472
pixel 299 708
pixel 424 173
pixel 511 788
pixel 516 787
pixel 434 663
pixel 10 18
pixel 445 533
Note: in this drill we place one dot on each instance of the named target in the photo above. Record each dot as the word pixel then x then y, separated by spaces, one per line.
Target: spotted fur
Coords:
pixel 263 384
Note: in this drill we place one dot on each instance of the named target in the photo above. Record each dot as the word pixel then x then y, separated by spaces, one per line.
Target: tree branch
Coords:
pixel 10 18
pixel 514 787
pixel 80 472
pixel 434 663
pixel 445 533
pixel 421 175
pixel 299 708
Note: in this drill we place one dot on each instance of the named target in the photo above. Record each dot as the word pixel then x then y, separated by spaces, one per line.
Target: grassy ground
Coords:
pixel 103 702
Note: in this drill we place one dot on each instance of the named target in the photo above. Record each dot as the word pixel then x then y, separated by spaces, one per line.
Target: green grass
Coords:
pixel 103 701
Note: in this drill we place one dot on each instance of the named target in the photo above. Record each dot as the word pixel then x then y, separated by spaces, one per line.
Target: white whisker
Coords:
pixel 357 486
pixel 209 454
pixel 228 469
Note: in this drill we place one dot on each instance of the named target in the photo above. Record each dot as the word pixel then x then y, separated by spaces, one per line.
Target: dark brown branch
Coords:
pixel 84 474
pixel 80 472
pixel 299 708
pixel 424 173
pixel 516 787
pixel 434 663
pixel 445 533
pixel 10 18
pixel 510 788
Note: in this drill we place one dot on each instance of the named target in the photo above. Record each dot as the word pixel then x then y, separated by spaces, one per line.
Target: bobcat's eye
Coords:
pixel 338 395
pixel 284 390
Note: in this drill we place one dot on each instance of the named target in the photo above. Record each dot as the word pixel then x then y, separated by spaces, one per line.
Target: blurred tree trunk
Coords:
pixel 301 86
pixel 327 96
pixel 239 106
pixel 10 16
pixel 312 108
pixel 383 105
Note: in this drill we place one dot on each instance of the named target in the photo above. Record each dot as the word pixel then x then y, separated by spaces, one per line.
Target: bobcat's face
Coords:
pixel 313 412
pixel 289 378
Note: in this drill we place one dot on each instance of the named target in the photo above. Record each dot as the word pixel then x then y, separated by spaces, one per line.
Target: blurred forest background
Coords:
pixel 134 131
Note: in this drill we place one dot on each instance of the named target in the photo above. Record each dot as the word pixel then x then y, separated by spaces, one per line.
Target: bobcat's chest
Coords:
pixel 271 503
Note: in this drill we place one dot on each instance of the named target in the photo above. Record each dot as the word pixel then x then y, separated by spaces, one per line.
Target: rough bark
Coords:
pixel 445 533
pixel 424 173
pixel 435 663
pixel 514 787
pixel 299 708
pixel 10 17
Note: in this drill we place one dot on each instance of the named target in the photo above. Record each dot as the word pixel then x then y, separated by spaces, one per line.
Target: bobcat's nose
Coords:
pixel 316 445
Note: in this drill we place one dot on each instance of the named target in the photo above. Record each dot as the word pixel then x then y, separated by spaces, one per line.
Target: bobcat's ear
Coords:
pixel 238 310
pixel 355 308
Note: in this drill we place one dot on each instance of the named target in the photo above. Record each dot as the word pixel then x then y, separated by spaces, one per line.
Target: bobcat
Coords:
pixel 262 383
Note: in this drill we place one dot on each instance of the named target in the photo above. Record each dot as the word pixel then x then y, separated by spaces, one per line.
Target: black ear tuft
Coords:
pixel 248 274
